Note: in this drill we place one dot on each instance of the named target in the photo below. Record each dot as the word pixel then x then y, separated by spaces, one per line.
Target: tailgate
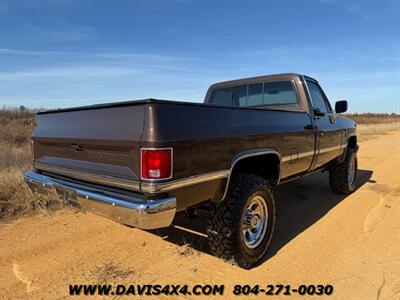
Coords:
pixel 101 141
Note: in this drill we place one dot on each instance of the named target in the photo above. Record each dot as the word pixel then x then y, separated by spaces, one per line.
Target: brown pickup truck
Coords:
pixel 142 162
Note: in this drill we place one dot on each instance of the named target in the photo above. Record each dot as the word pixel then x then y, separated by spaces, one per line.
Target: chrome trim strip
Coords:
pixel 300 155
pixel 130 210
pixel 329 149
pixel 256 153
pixel 311 153
pixel 89 177
pixel 180 183
pixel 159 187
pixel 146 187
pixel 305 154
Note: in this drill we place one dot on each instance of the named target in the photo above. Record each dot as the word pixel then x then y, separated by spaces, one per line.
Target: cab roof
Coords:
pixel 247 80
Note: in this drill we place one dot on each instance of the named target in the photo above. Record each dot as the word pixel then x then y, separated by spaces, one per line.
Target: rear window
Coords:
pixel 240 95
pixel 256 95
pixel 279 92
pixel 222 97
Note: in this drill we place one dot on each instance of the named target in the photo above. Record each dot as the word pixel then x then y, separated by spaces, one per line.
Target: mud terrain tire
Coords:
pixel 235 227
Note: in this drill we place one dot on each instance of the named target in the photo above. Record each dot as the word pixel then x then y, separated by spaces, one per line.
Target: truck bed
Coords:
pixel 106 139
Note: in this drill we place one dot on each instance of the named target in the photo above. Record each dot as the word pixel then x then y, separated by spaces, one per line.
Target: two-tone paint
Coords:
pixel 101 144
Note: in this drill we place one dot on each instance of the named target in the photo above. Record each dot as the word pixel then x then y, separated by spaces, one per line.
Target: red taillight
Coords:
pixel 156 163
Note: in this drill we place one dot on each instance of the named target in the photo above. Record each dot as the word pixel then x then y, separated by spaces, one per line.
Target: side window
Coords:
pixel 240 95
pixel 222 97
pixel 255 95
pixel 317 97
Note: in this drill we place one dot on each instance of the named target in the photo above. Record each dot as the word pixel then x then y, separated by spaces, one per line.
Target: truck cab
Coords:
pixel 321 140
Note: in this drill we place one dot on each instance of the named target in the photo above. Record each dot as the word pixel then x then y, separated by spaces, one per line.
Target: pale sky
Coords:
pixel 66 53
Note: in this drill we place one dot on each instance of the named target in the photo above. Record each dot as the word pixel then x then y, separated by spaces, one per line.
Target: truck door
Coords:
pixel 329 136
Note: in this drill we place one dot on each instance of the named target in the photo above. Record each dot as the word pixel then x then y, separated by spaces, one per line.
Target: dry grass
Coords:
pixel 370 131
pixel 17 113
pixel 372 118
pixel 15 157
pixel 16 198
pixel 16 132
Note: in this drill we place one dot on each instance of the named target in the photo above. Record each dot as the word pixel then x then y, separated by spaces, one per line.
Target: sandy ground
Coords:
pixel 350 242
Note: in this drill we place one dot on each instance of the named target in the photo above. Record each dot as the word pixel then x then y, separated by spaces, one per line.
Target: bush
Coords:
pixel 374 118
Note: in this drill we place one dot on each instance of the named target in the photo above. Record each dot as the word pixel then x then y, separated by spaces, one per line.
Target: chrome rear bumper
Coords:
pixel 126 209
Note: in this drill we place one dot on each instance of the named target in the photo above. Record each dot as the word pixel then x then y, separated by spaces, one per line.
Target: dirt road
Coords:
pixel 350 242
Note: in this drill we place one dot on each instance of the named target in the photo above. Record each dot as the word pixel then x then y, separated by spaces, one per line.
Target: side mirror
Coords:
pixel 341 106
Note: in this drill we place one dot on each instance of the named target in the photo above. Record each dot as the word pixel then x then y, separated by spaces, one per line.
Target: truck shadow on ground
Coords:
pixel 299 204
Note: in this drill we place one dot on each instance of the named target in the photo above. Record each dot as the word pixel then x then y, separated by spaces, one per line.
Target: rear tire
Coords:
pixel 241 227
pixel 342 177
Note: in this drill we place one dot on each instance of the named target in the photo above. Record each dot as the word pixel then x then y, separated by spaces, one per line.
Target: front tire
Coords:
pixel 342 177
pixel 241 227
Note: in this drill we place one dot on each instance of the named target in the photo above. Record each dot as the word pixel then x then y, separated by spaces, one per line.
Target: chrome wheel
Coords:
pixel 351 172
pixel 255 222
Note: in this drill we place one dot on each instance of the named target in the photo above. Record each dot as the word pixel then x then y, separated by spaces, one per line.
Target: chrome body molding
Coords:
pixel 311 153
pixel 130 210
pixel 150 187
pixel 144 186
pixel 300 155
pixel 335 148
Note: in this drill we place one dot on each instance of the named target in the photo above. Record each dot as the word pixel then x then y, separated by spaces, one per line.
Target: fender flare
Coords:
pixel 247 154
